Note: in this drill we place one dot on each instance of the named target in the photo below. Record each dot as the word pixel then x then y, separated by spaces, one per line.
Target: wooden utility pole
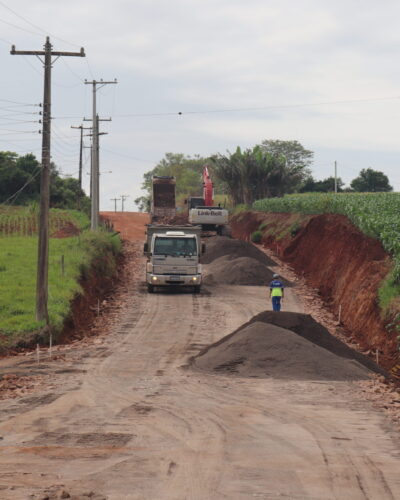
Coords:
pixel 123 198
pixel 336 186
pixel 94 177
pixel 115 203
pixel 81 128
pixel 95 171
pixel 43 245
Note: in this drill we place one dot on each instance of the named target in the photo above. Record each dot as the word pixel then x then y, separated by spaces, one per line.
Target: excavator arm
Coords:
pixel 208 189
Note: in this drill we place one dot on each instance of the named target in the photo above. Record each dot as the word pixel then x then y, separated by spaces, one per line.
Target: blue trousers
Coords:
pixel 276 303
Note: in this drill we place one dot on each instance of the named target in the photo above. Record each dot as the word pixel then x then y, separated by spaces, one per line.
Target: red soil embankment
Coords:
pixel 99 289
pixel 346 267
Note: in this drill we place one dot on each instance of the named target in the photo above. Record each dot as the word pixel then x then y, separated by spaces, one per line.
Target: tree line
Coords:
pixel 20 183
pixel 272 168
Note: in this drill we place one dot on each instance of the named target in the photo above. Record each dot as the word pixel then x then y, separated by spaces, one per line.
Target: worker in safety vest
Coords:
pixel 276 292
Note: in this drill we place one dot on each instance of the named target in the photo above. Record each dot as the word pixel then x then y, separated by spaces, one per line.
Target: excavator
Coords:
pixel 203 212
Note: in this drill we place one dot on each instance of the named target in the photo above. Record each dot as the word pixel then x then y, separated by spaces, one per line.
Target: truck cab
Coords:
pixel 173 257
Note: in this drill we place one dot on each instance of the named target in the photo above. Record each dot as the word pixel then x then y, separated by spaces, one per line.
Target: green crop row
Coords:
pixel 23 221
pixel 376 214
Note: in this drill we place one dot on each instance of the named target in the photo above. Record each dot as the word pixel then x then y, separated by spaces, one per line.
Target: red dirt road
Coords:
pixel 131 225
pixel 126 418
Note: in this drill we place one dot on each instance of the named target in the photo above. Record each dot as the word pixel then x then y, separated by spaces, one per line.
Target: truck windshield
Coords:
pixel 175 246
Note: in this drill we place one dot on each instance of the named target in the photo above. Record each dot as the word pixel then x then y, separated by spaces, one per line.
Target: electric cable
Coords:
pixel 35 25
pixel 14 196
pixel 127 156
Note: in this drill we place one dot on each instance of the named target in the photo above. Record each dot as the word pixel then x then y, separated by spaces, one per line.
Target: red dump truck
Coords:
pixel 163 198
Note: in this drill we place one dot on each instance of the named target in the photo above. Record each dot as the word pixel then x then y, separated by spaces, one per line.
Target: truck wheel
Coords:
pixel 150 288
pixel 196 289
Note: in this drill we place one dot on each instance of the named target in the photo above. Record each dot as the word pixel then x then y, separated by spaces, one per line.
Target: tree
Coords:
pixel 253 174
pixel 371 181
pixel 20 176
pixel 143 203
pixel 296 156
pixel 325 186
pixel 187 171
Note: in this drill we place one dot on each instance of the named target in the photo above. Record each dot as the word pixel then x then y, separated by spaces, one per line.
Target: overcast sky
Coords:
pixel 295 61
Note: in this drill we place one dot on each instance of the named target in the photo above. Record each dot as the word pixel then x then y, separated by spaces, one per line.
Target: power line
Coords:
pixel 128 156
pixel 11 132
pixel 19 103
pixel 72 71
pixel 36 26
pixel 18 111
pixel 20 28
pixel 15 121
pixel 14 196
pixel 258 108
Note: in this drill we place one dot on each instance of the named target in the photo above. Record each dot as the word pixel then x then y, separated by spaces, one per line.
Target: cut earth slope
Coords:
pixel 334 257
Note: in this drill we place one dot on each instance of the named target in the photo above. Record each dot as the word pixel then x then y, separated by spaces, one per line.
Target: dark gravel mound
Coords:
pixel 264 350
pixel 307 327
pixel 219 246
pixel 237 271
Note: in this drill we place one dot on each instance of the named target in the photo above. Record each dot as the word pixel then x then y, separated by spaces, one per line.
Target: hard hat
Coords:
pixel 275 276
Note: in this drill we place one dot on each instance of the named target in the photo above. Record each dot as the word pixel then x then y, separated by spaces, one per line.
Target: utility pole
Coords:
pixel 335 176
pixel 115 203
pixel 81 128
pixel 43 246
pixel 95 171
pixel 123 198
pixel 94 178
pixel 90 173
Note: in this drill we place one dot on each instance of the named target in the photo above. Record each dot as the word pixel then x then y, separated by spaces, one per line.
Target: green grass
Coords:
pixel 18 264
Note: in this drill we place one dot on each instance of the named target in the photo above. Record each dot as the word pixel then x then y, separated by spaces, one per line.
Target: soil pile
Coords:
pixel 260 349
pixel 219 246
pixel 228 270
pixel 236 262
pixel 306 326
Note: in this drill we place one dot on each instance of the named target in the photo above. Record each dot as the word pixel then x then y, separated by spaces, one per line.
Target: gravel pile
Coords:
pixel 236 262
pixel 259 349
pixel 306 326
pixel 219 246
pixel 228 270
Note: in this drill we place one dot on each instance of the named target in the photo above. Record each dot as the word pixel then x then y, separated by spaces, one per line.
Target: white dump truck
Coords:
pixel 173 256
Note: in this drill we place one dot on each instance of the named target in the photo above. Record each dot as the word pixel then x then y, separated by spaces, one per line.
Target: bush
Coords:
pixel 256 236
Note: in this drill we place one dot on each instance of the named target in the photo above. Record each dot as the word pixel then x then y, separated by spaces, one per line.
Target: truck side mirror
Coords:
pixel 145 248
pixel 185 201
pixel 203 248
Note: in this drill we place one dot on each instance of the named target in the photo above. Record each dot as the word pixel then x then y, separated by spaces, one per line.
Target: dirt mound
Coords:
pixel 229 270
pixel 306 326
pixel 218 246
pixel 264 350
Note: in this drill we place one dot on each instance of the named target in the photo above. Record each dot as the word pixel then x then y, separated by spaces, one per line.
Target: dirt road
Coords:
pixel 133 421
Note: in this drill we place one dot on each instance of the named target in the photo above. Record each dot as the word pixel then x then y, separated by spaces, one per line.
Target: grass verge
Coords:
pixel 89 252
